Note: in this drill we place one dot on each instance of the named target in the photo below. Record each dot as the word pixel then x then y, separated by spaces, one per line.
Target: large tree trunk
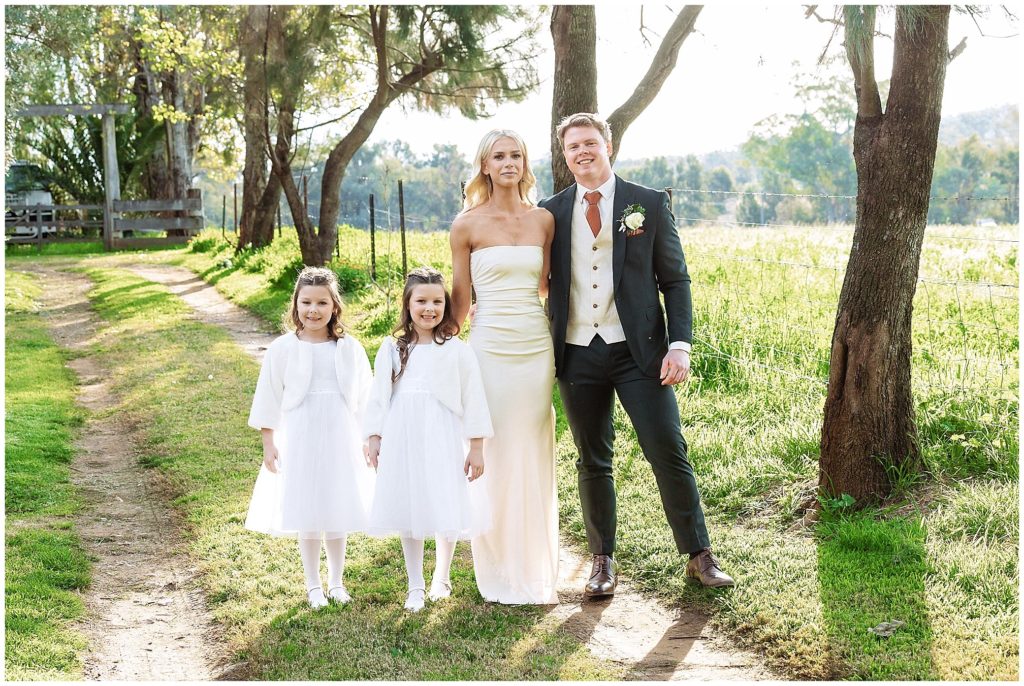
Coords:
pixel 574 34
pixel 156 177
pixel 260 194
pixel 869 434
pixel 342 153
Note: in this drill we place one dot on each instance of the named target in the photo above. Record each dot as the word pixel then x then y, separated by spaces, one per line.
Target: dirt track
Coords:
pixel 146 617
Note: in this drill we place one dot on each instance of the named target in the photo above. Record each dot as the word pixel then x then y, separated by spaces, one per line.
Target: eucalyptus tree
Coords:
pixel 869 436
pixel 574 35
pixel 436 58
pixel 170 62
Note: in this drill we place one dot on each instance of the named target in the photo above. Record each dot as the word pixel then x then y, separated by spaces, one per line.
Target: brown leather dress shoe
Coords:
pixel 603 578
pixel 704 567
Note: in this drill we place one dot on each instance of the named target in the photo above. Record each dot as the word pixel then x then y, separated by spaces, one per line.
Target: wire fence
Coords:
pixel 767 293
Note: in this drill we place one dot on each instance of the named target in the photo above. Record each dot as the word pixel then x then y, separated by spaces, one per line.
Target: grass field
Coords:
pixel 189 387
pixel 45 565
pixel 940 557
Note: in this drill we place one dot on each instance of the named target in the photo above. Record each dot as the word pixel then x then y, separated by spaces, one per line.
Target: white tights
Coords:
pixel 412 549
pixel 309 550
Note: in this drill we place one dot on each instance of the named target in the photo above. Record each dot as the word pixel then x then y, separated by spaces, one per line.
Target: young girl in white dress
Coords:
pixel 314 483
pixel 427 398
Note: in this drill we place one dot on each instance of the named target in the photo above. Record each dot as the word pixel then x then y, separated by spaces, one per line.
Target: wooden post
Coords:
pixel 401 219
pixel 38 221
pixel 373 241
pixel 111 180
pixel 197 212
pixel 234 217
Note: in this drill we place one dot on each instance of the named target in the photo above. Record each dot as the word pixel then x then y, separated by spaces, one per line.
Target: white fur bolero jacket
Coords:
pixel 286 373
pixel 455 381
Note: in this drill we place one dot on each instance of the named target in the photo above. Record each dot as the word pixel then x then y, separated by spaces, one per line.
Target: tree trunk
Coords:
pixel 869 436
pixel 574 34
pixel 342 153
pixel 257 193
pixel 156 173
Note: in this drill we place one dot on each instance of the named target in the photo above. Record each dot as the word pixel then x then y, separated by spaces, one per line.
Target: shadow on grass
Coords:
pixel 871 572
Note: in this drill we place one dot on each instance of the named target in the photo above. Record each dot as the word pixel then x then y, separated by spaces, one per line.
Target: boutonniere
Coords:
pixel 632 220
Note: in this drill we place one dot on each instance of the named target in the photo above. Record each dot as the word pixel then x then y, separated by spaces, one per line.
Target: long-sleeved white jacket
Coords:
pixel 455 381
pixel 286 373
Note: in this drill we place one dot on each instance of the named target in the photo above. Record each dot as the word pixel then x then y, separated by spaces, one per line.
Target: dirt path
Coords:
pixel 146 618
pixel 652 641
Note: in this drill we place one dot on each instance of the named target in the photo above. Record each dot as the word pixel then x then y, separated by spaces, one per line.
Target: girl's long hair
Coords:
pixel 317 276
pixel 480 187
pixel 405 332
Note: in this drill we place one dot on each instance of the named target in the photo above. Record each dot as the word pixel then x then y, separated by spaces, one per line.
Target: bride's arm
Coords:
pixel 462 280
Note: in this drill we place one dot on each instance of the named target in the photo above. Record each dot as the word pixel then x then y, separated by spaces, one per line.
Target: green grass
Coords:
pixel 765 303
pixel 188 387
pixel 941 557
pixel 45 565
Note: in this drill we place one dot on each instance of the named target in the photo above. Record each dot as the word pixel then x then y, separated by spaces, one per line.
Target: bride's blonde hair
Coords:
pixel 479 188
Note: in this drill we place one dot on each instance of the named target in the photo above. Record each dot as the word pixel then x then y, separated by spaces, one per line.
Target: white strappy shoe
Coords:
pixel 439 589
pixel 338 594
pixel 316 598
pixel 414 601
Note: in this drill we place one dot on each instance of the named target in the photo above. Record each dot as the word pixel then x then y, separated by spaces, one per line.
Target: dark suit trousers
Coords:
pixel 588 382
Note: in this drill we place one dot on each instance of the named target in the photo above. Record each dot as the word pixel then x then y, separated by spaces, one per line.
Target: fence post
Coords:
pixel 223 215
pixel 234 220
pixel 373 240
pixel 38 219
pixel 111 180
pixel 401 219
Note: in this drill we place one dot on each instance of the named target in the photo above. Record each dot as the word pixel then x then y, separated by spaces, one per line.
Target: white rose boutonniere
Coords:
pixel 632 220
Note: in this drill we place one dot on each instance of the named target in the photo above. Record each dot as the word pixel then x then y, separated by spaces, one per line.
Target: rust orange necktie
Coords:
pixel 593 212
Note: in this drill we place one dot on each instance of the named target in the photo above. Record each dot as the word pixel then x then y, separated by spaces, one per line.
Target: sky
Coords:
pixel 735 69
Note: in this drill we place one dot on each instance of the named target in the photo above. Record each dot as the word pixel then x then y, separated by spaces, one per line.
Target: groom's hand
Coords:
pixel 675 367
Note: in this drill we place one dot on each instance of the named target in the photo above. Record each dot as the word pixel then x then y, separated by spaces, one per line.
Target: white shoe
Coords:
pixel 316 598
pixel 414 601
pixel 439 589
pixel 338 594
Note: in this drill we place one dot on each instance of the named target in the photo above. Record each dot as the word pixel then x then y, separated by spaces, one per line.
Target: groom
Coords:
pixel 615 247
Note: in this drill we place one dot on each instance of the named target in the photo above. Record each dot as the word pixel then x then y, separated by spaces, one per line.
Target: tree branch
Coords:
pixel 860 25
pixel 661 66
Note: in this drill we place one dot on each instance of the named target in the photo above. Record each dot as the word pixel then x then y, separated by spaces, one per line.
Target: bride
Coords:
pixel 501 247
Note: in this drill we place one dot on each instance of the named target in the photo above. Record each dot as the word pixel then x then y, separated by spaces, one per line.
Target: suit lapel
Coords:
pixel 622 198
pixel 563 233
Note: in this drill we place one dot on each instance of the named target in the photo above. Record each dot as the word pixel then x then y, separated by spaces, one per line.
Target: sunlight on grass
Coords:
pixel 765 302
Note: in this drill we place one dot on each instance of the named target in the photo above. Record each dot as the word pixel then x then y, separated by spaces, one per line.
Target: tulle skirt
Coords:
pixel 323 487
pixel 422 491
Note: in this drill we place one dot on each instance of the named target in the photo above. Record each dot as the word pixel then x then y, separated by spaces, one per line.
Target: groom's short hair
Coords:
pixel 583 119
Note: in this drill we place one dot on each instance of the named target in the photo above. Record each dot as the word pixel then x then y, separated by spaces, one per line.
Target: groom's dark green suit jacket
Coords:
pixel 642 265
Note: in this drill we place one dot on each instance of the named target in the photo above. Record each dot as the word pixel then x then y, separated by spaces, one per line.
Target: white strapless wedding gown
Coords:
pixel 517 560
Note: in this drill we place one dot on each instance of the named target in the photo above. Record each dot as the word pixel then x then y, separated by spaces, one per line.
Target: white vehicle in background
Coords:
pixel 24 185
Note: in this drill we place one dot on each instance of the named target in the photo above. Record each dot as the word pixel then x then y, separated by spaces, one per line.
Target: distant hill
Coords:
pixel 993 125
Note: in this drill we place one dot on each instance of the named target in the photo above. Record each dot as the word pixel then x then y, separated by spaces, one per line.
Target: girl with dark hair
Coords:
pixel 427 400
